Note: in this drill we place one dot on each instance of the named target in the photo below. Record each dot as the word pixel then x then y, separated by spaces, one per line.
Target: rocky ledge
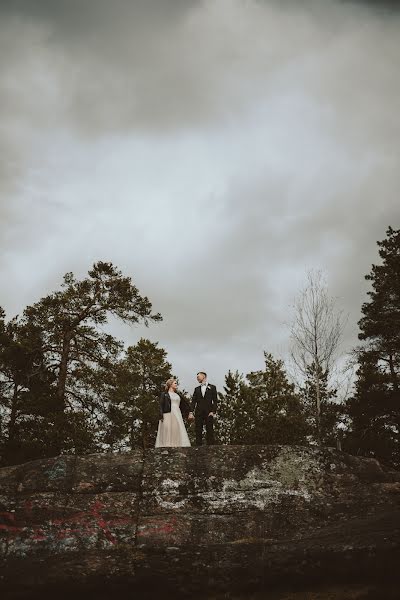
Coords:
pixel 226 519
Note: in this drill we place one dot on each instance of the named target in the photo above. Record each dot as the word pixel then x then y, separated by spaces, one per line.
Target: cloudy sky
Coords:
pixel 212 150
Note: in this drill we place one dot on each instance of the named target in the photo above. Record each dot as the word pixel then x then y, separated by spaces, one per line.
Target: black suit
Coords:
pixel 201 407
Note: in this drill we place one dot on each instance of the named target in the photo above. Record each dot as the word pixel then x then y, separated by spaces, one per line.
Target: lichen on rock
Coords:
pixel 248 516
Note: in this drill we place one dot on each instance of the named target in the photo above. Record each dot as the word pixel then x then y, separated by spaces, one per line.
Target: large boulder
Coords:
pixel 226 519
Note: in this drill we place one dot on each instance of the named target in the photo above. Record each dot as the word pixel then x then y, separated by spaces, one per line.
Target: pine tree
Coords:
pixel 230 404
pixel 79 357
pixel 375 408
pixel 268 409
pixel 332 413
pixel 133 410
pixel 26 392
pixel 380 325
pixel 373 430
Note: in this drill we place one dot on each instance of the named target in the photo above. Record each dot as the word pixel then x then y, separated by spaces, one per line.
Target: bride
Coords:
pixel 171 428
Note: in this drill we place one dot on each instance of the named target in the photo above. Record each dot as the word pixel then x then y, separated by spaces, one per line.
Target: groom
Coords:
pixel 204 405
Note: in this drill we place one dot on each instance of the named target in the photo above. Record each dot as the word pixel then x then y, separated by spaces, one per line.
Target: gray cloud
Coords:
pixel 212 150
pixel 154 65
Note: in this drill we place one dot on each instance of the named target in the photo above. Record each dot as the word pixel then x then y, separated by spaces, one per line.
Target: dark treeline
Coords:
pixel 66 386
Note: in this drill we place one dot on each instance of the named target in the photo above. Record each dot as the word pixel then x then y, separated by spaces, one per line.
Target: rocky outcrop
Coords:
pixel 227 519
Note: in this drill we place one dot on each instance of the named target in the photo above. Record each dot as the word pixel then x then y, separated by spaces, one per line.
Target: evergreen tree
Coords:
pixel 332 413
pixel 230 404
pixel 373 429
pixel 380 325
pixel 60 339
pixel 277 415
pixel 133 409
pixel 262 409
pixel 374 410
pixel 26 392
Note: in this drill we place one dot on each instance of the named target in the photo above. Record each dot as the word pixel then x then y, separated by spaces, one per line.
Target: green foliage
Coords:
pixel 56 363
pixel 278 416
pixel 133 411
pixel 380 324
pixel 66 386
pixel 26 392
pixel 264 409
pixel 231 404
pixel 374 410
pixel 332 413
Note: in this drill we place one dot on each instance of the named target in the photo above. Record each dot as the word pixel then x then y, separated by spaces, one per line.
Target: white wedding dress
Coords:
pixel 172 430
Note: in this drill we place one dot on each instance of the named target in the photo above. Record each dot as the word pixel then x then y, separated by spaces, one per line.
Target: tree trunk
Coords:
pixel 60 417
pixel 145 436
pixel 318 402
pixel 10 453
pixel 62 376
pixel 13 416
pixel 131 437
pixel 393 374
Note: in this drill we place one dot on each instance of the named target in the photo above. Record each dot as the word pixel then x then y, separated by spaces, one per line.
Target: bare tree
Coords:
pixel 316 332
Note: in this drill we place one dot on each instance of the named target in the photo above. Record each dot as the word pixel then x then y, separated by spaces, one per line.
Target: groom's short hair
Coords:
pixel 203 373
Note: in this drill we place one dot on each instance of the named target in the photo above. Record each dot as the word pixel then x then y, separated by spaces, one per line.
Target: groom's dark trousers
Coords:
pixel 202 419
pixel 201 406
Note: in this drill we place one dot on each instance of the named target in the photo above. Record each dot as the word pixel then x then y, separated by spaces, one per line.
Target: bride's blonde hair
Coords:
pixel 168 383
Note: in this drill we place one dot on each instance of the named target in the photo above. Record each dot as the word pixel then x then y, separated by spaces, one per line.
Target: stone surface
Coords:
pixel 210 522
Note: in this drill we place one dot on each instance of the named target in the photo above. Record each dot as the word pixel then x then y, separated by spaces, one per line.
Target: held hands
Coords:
pixel 191 416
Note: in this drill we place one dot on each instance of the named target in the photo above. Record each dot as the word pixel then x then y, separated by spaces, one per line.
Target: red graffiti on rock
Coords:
pixel 87 522
pixel 157 527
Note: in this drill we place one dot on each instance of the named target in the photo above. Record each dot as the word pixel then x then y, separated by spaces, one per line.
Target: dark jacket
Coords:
pixel 208 403
pixel 165 404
